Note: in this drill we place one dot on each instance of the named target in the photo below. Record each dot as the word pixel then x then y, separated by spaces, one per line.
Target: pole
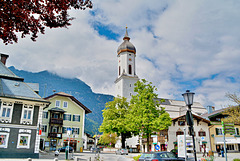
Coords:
pixel 224 141
pixel 185 144
pixel 68 145
pixel 192 131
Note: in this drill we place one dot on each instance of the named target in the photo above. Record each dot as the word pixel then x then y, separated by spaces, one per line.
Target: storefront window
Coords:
pixel 3 140
pixel 23 141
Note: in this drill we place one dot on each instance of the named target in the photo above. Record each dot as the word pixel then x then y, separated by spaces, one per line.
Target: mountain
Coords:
pixel 49 82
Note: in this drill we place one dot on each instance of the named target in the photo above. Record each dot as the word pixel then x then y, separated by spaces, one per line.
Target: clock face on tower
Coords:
pixel 130 59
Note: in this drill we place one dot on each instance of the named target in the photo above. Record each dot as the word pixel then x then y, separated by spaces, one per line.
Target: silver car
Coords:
pixel 122 151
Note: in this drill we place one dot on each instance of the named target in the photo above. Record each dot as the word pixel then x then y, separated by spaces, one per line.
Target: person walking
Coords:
pixel 218 150
pixel 222 151
pixel 204 151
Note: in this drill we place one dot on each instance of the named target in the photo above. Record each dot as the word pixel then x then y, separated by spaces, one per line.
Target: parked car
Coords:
pixel 95 150
pixel 122 151
pixel 63 149
pixel 175 151
pixel 159 156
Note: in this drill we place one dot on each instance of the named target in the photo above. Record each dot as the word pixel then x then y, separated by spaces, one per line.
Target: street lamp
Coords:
pixel 188 98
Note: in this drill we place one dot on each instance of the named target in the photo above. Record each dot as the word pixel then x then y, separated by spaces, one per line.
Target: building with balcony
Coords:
pixel 64 113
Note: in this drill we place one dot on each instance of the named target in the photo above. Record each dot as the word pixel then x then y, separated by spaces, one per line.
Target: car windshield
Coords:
pixel 171 155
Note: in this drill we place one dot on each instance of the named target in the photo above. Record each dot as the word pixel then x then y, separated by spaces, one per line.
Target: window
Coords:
pixel 76 118
pixel 219 131
pixel 181 123
pixel 119 70
pixel 4 140
pixel 201 133
pixel 27 114
pixel 45 114
pixel 75 130
pixel 230 146
pixel 24 141
pixel 44 128
pixel 179 133
pixel 64 130
pixel 57 104
pixel 6 111
pixel 67 117
pixel 65 104
pixel 129 69
pixel 171 155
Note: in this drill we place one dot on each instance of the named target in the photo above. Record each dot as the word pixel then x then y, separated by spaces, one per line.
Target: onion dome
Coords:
pixel 126 45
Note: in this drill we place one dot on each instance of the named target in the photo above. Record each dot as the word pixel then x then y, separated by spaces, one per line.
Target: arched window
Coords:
pixel 129 69
pixel 119 70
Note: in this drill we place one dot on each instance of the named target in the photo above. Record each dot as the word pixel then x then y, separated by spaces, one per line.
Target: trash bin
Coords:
pixel 81 149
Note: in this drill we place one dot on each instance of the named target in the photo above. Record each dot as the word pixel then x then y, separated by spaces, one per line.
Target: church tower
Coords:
pixel 127 77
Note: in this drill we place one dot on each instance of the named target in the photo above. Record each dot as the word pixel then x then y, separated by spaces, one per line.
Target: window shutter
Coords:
pixel 79 118
pixel 78 131
pixel 64 116
pixel 237 131
pixel 46 114
pixel 70 117
pixel 74 119
pixel 216 131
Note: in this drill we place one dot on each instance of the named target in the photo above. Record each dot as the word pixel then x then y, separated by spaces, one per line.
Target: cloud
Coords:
pixel 180 45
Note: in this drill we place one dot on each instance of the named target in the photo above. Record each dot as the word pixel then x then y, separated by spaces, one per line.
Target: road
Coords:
pixel 87 156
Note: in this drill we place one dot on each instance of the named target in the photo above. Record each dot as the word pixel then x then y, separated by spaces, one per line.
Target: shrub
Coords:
pixel 136 157
pixel 236 159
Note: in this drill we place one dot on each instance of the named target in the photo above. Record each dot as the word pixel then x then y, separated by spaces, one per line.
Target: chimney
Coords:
pixel 4 58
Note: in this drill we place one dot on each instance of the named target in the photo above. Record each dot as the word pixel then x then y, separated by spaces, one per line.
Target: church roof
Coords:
pixel 126 45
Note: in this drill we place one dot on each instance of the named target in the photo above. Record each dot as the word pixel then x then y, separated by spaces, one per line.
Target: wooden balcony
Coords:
pixel 55 135
pixel 56 121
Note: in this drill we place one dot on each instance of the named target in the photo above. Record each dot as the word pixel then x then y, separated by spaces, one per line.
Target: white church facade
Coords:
pixel 124 84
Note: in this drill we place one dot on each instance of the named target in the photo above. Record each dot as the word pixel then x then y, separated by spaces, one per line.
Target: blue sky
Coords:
pixel 180 45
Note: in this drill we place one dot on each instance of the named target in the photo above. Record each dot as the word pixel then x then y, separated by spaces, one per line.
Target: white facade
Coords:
pixel 200 125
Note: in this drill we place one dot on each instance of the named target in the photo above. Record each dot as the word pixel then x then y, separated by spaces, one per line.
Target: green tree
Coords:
pixel 115 120
pixel 145 114
pixel 232 111
pixel 108 138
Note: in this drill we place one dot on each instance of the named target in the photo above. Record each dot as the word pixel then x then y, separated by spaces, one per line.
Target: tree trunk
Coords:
pixel 147 142
pixel 123 139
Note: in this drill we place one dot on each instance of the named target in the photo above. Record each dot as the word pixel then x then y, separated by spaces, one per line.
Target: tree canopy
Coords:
pixel 108 139
pixel 145 114
pixel 115 118
pixel 232 111
pixel 32 16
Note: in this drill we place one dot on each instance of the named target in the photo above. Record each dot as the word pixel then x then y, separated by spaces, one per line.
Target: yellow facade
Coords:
pixel 71 110
pixel 216 138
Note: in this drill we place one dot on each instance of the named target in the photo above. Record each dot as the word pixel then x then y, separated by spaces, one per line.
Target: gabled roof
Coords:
pixel 194 116
pixel 214 113
pixel 12 86
pixel 72 98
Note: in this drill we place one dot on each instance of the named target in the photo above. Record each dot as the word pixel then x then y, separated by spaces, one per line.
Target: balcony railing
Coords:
pixel 56 121
pixel 55 135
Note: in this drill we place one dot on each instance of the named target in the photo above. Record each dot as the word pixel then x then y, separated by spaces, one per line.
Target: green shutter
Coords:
pixel 237 131
pixel 216 131
pixel 74 118
pixel 70 116
pixel 64 116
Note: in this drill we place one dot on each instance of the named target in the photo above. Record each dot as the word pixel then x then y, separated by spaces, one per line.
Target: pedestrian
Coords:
pixel 222 151
pixel 207 151
pixel 218 150
pixel 204 151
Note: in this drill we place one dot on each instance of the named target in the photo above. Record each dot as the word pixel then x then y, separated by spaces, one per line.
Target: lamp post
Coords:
pixel 188 98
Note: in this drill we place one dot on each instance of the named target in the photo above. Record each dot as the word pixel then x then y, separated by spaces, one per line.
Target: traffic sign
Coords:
pixel 69 130
pixel 157 147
